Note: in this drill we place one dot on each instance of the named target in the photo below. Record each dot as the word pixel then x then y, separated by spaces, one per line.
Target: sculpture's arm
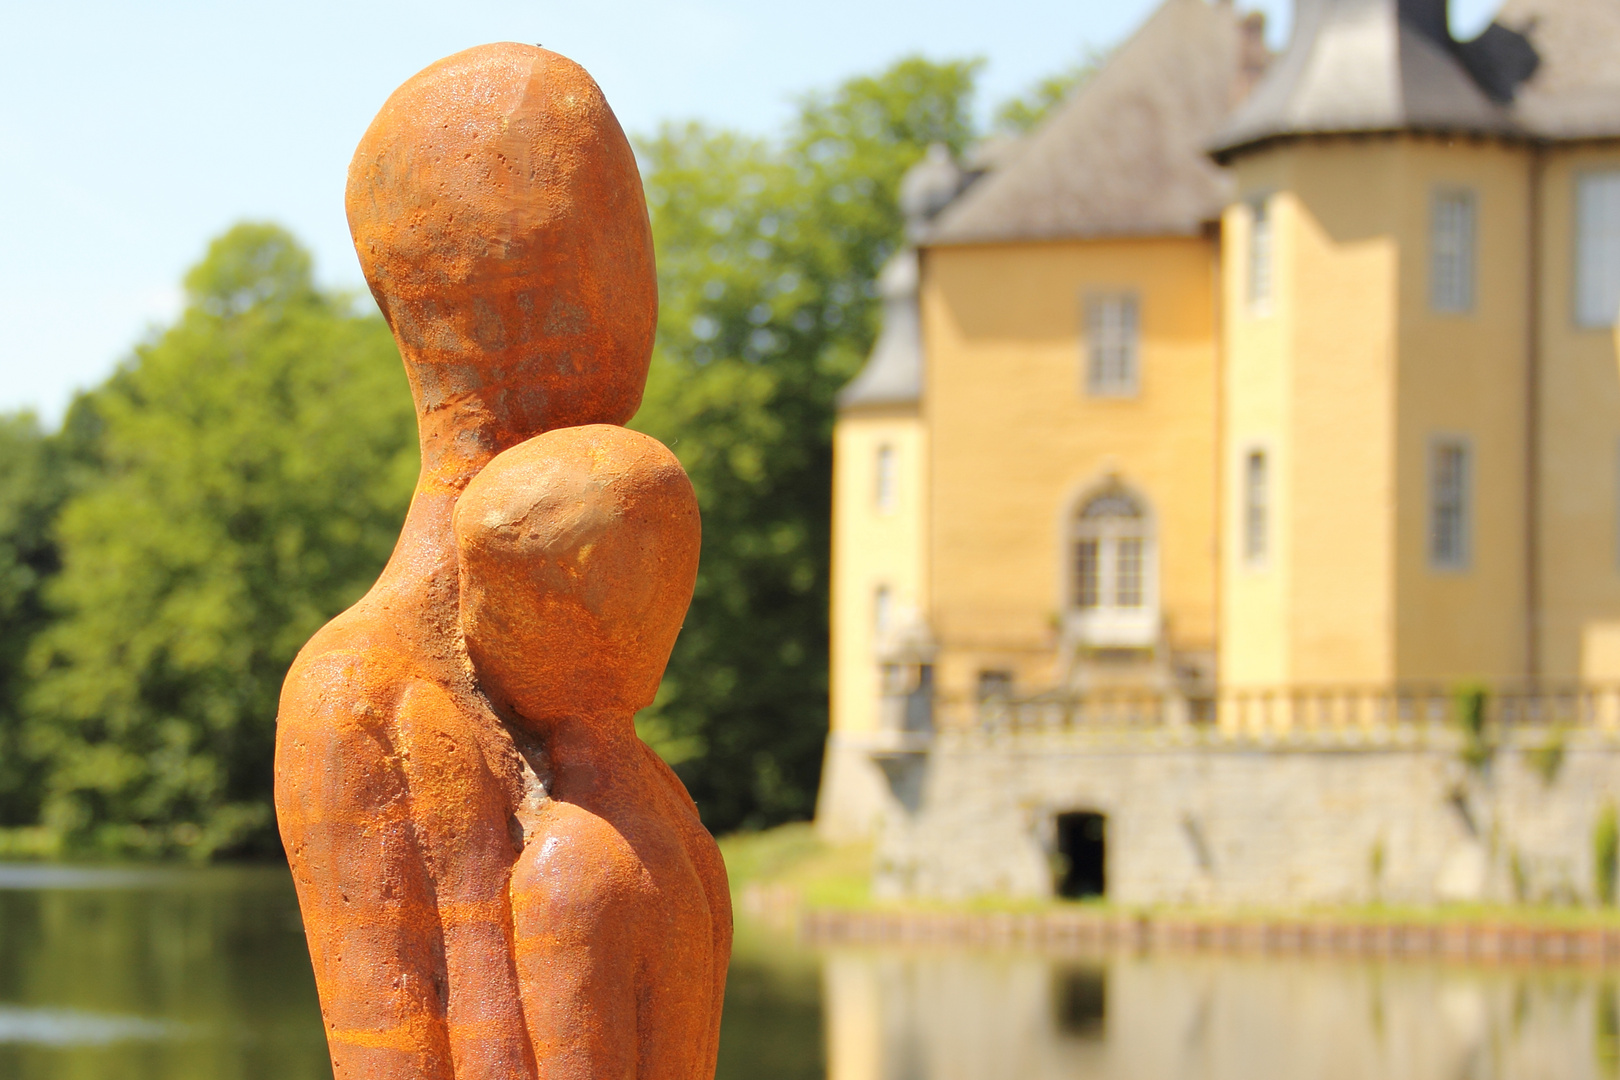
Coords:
pixel 462 813
pixel 343 809
pixel 574 893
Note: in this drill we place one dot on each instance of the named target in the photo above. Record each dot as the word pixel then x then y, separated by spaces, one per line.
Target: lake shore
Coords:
pixel 787 879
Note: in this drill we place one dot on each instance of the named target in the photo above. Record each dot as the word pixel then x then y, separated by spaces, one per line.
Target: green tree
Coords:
pixel 767 252
pixel 248 473
pixel 32 486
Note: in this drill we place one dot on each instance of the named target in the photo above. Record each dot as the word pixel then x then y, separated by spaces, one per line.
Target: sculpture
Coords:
pixel 497 878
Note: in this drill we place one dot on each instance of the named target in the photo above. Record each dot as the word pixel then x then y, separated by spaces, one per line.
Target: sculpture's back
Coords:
pixel 499 217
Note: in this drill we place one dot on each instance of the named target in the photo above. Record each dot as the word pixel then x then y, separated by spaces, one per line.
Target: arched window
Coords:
pixel 1114 595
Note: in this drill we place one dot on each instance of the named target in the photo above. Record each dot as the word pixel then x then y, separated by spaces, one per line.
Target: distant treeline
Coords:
pixel 241 478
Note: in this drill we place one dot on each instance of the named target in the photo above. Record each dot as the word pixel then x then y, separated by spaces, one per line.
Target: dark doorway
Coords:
pixel 1082 847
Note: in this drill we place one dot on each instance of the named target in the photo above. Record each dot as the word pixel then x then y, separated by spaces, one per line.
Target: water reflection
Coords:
pixel 149 974
pixel 155 974
pixel 985 1016
pixel 772 1027
pixel 67 1027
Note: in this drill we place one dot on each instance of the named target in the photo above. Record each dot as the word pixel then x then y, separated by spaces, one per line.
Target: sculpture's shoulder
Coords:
pixel 340 702
pixel 577 867
pixel 341 680
pixel 356 659
pixel 338 718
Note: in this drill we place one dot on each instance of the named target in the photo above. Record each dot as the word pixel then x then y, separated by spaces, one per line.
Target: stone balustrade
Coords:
pixel 1400 713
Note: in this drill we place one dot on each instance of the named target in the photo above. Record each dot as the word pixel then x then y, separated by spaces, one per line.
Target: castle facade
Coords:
pixel 1248 405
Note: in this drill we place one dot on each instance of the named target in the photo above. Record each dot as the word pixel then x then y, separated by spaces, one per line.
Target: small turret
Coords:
pixel 1364 66
pixel 893 374
pixel 928 187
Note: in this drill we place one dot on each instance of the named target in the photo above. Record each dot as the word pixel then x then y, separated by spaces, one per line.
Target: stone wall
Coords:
pixel 1249 823
pixel 854 800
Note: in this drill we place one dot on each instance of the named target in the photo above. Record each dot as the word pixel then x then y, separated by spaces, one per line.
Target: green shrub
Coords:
pixel 1606 853
pixel 1470 703
pixel 1547 758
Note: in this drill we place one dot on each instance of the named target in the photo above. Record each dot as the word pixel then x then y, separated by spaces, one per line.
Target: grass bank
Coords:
pixel 789 868
pixel 790 860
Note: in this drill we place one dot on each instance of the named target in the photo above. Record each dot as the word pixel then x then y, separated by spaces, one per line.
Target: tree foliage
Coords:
pixel 251 468
pixel 766 254
pixel 242 477
pixel 32 486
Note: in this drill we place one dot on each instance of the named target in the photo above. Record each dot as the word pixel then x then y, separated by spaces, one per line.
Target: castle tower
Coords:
pixel 1376 425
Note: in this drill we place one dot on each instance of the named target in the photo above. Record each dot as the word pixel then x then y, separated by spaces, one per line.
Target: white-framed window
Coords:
pixel 1256 507
pixel 1114 572
pixel 1597 248
pixel 1112 341
pixel 1261 247
pixel 1450 503
pixel 885 492
pixel 1452 226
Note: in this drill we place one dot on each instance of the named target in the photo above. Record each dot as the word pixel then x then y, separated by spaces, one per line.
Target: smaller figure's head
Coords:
pixel 499 218
pixel 577 550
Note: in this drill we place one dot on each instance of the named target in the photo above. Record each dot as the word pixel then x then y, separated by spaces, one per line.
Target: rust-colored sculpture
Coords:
pixel 497 878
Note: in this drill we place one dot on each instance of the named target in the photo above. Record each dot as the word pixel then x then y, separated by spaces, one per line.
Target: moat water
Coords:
pixel 163 974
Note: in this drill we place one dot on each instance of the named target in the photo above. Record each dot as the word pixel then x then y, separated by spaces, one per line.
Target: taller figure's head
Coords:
pixel 499 217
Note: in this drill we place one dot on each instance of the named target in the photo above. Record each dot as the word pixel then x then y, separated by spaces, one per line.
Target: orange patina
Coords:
pixel 497 878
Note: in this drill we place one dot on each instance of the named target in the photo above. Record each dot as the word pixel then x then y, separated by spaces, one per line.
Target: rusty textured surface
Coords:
pixel 497 878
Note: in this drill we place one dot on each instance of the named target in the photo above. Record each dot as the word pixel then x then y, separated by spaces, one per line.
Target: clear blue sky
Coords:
pixel 132 133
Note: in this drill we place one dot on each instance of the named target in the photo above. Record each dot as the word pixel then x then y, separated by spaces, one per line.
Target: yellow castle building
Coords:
pixel 1244 378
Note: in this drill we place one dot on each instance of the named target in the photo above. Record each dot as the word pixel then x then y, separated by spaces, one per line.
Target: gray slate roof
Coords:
pixel 1544 69
pixel 893 374
pixel 1125 155
pixel 1574 91
pixel 1369 66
